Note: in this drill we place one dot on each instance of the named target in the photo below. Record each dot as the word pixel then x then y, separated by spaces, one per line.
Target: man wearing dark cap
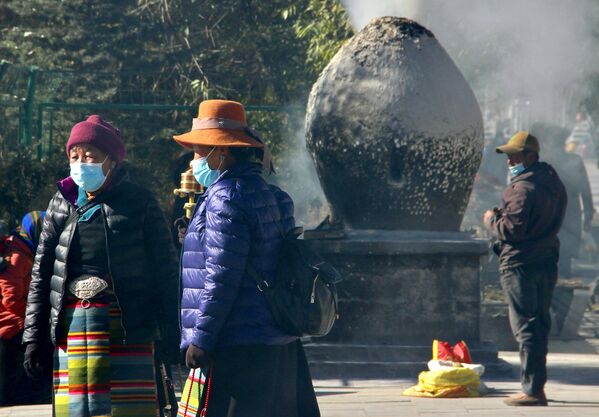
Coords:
pixel 526 226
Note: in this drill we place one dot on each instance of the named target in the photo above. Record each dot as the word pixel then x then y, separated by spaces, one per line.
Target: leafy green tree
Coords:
pixel 242 50
pixel 146 51
pixel 76 34
pixel 24 182
pixel 325 25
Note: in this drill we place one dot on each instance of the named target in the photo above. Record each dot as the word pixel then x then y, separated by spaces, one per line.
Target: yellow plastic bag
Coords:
pixel 450 383
pixel 189 406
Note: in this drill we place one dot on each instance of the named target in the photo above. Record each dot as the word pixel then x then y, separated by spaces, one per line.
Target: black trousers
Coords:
pixel 15 387
pixel 11 359
pixel 529 289
pixel 260 381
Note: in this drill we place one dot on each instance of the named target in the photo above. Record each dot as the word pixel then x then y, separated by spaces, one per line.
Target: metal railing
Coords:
pixel 31 98
pixel 17 92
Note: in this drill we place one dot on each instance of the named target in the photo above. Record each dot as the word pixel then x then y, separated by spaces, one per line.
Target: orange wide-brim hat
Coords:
pixel 220 123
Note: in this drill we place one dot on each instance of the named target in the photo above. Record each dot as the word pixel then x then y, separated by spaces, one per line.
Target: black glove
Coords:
pixel 38 360
pixel 167 352
pixel 182 221
pixel 181 225
pixel 196 357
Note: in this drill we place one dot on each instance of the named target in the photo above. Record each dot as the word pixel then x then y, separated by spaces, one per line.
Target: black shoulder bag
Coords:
pixel 303 299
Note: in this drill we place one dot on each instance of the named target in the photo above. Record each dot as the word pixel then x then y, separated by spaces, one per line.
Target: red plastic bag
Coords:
pixel 444 351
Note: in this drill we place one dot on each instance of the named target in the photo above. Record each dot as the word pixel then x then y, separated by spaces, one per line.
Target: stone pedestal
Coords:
pixel 401 290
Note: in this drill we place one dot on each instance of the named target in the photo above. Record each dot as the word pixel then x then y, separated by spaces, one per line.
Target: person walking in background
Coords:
pixel 104 287
pixel 526 226
pixel 15 274
pixel 253 368
pixel 572 171
pixel 492 170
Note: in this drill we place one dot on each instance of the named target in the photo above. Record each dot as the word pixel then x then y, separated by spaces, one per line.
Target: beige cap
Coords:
pixel 521 141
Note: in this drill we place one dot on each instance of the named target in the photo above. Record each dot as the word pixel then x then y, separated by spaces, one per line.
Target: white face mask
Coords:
pixel 89 176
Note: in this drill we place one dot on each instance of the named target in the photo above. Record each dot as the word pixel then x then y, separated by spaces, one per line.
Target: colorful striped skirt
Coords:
pixel 95 374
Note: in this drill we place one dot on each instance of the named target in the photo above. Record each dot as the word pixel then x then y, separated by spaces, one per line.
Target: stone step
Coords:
pixel 365 370
pixel 388 370
pixel 352 361
pixel 482 352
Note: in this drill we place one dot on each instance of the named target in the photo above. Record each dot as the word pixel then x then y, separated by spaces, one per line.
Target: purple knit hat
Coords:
pixel 104 136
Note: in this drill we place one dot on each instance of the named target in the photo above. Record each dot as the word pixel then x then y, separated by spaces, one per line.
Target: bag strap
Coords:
pixel 81 210
pixel 275 221
pixel 261 283
pixel 208 386
pixel 279 225
pixel 78 211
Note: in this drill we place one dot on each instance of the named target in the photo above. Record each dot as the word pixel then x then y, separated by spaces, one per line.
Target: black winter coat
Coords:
pixel 142 263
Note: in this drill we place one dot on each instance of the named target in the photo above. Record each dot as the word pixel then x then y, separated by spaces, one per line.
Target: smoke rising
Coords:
pixel 525 61
pixel 296 175
pixel 531 53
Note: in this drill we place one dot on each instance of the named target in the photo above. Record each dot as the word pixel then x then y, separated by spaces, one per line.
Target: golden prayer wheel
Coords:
pixel 189 188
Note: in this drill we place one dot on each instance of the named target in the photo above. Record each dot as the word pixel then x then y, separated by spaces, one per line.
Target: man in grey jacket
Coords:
pixel 526 227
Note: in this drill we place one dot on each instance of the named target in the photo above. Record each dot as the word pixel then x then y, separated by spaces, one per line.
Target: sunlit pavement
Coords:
pixel 573 390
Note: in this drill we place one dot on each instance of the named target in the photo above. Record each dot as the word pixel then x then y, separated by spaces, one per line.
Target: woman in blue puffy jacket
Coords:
pixel 252 367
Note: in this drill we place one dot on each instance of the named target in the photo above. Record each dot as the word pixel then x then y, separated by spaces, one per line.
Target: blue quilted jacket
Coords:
pixel 233 225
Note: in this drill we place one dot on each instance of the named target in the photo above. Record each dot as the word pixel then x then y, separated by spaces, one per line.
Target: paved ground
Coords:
pixel 573 390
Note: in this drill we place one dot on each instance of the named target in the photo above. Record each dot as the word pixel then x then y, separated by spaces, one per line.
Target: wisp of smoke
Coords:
pixel 297 175
pixel 534 50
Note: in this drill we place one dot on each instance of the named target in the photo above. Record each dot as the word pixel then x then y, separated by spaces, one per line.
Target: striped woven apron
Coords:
pixel 95 374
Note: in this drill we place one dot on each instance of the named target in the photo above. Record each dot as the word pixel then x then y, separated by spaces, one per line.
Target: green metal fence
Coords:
pixel 17 91
pixel 39 106
pixel 46 111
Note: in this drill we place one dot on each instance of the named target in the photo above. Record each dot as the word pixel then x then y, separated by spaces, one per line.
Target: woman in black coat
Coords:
pixel 104 288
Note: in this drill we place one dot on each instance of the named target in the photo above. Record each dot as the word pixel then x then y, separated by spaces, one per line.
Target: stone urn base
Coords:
pixel 401 290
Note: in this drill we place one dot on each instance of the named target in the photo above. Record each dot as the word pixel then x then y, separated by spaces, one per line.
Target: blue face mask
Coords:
pixel 88 176
pixel 516 170
pixel 202 171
